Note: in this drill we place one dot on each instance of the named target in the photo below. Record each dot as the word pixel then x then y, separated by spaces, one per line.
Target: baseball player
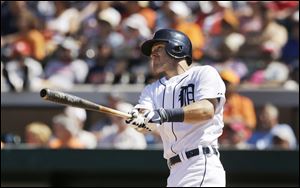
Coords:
pixel 185 107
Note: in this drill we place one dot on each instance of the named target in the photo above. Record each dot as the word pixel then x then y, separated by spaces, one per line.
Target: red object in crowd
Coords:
pixel 23 48
pixel 281 5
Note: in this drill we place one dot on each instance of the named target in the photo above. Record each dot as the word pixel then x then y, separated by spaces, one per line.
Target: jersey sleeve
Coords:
pixel 145 100
pixel 210 85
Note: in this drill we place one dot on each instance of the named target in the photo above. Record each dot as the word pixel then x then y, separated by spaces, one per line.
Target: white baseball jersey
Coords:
pixel 197 83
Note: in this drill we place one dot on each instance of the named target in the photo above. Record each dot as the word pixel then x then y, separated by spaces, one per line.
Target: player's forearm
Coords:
pixel 193 113
pixel 198 111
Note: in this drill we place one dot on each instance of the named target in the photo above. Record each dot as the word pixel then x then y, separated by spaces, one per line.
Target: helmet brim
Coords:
pixel 147 46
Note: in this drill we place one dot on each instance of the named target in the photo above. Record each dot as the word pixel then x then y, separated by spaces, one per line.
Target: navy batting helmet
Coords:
pixel 178 44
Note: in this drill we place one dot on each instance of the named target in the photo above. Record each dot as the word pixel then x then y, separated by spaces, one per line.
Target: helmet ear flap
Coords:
pixel 175 49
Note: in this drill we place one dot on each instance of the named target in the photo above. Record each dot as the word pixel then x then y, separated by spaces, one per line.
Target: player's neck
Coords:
pixel 182 67
pixel 179 69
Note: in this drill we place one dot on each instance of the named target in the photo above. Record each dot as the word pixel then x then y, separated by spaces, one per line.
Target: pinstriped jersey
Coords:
pixel 197 83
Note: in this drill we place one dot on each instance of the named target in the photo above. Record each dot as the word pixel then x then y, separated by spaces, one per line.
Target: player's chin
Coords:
pixel 157 71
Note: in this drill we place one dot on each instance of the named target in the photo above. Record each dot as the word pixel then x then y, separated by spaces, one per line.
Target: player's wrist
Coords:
pixel 171 115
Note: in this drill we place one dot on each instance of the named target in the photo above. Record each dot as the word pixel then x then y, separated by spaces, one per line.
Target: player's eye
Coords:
pixel 157 49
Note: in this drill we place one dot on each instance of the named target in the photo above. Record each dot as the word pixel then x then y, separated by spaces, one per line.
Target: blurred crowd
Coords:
pixel 64 43
pixel 70 129
pixel 246 128
pixel 59 44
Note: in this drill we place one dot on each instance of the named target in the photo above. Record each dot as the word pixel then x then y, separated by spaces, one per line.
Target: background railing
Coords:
pixel 277 96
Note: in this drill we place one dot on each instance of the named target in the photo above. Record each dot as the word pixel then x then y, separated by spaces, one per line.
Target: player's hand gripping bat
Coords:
pixel 71 100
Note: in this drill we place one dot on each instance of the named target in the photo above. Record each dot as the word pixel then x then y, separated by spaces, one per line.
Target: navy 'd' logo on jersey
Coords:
pixel 186 95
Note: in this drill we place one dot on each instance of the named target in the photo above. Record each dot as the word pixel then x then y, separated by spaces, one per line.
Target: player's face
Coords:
pixel 160 60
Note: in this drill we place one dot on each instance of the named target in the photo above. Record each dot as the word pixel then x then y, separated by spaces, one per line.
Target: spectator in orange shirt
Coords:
pixel 238 112
pixel 31 34
pixel 28 30
pixel 142 8
pixel 175 15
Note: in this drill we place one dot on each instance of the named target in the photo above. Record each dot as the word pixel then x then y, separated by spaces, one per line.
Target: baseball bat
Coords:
pixel 71 100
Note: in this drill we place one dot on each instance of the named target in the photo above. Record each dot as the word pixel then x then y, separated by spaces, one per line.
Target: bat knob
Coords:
pixel 44 92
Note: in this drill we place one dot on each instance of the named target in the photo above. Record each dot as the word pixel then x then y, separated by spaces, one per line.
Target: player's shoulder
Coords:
pixel 151 86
